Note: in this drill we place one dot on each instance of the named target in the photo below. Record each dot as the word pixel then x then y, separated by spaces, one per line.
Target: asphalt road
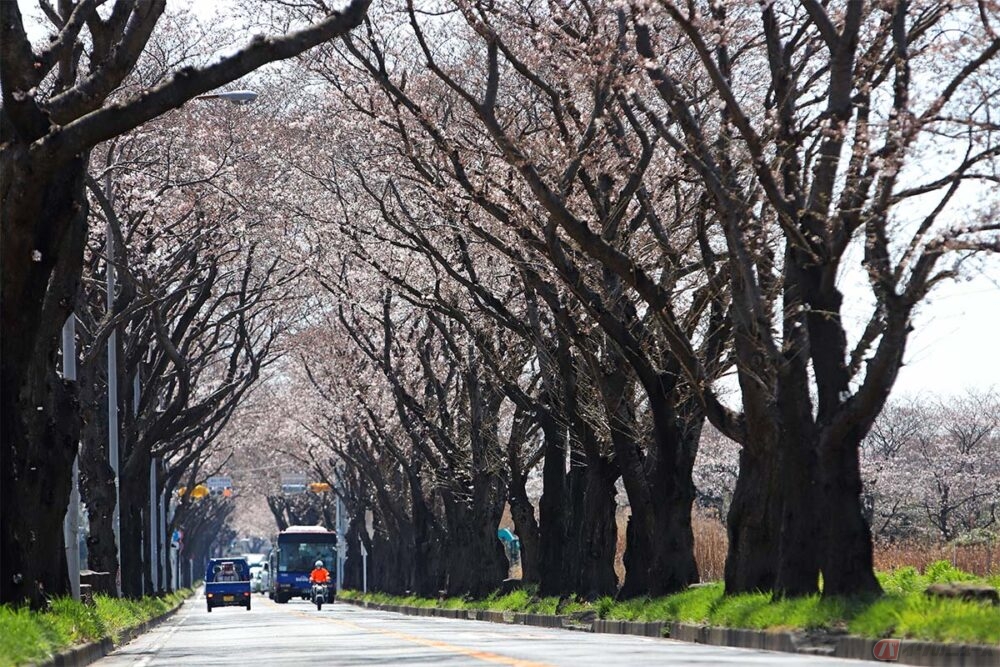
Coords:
pixel 342 634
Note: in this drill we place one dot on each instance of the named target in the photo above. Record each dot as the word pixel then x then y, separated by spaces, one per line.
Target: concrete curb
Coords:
pixel 84 654
pixel 911 652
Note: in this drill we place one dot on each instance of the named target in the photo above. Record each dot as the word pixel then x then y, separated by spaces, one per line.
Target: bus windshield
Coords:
pixel 299 554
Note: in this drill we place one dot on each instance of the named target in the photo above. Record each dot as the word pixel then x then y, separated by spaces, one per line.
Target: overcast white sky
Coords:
pixel 956 341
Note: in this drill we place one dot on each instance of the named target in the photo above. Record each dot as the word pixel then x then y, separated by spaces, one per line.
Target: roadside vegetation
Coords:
pixel 33 636
pixel 905 611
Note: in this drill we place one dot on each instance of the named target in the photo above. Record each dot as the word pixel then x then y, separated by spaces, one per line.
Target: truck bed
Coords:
pixel 227 594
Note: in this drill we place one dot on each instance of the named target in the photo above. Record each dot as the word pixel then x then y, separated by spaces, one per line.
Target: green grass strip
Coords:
pixel 904 611
pixel 28 637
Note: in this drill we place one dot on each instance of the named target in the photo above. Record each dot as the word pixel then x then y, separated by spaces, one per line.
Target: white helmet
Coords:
pixel 319 563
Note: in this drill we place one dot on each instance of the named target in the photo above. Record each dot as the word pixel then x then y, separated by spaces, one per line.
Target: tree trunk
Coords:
pixel 34 560
pixel 526 527
pixel 391 562
pixel 134 500
pixel 676 440
pixel 476 561
pixel 598 536
pixel 659 557
pixel 752 525
pixel 799 543
pixel 97 485
pixel 353 562
pixel 426 575
pixel 638 553
pixel 39 422
pixel 619 406
pixel 553 555
pixel 847 559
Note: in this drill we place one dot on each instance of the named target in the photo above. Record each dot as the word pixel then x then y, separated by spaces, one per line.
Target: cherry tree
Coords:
pixel 930 468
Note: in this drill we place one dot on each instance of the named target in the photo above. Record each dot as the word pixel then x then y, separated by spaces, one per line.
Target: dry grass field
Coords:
pixel 710 551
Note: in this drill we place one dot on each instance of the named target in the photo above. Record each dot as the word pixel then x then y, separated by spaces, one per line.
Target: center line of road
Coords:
pixel 485 656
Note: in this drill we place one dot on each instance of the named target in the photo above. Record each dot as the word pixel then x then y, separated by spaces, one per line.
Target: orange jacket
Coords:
pixel 319 576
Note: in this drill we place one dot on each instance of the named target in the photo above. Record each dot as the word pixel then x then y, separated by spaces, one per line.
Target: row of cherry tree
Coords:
pixel 566 237
pixel 931 469
pixel 191 320
pixel 506 237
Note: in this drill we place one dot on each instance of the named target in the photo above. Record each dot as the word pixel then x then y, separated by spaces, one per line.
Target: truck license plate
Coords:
pixel 228 598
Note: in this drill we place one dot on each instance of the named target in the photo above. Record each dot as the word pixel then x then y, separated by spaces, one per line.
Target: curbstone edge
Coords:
pixel 84 654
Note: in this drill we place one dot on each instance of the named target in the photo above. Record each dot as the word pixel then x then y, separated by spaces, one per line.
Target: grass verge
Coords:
pixel 904 611
pixel 29 637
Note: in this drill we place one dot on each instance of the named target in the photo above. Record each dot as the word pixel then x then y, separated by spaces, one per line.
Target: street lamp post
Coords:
pixel 340 543
pixel 71 524
pixel 113 393
pixel 370 529
pixel 164 541
pixel 235 97
pixel 153 522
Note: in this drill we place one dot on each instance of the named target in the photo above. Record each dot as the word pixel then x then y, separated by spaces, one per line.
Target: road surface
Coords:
pixel 342 634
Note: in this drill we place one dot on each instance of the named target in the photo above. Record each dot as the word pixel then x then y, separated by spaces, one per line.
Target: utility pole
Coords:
pixel 113 393
pixel 71 523
pixel 341 535
pixel 153 521
pixel 164 541
pixel 370 529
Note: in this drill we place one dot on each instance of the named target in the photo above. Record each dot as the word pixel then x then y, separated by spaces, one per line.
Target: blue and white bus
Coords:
pixel 299 547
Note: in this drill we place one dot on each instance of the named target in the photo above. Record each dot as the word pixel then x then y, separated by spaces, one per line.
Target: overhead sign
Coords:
pixel 220 485
pixel 292 483
pixel 219 482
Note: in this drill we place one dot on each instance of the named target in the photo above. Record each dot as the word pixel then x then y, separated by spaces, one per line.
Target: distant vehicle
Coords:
pixel 256 585
pixel 265 577
pixel 227 583
pixel 298 548
pixel 255 559
pixel 257 562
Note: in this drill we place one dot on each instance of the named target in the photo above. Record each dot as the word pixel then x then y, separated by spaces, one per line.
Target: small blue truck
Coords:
pixel 227 583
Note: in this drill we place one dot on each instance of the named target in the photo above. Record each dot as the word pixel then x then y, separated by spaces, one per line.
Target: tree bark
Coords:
pixel 598 536
pixel 554 560
pixel 134 500
pixel 353 562
pixel 799 543
pixel 847 559
pixel 673 567
pixel 97 484
pixel 39 418
pixel 526 527
pixel 752 525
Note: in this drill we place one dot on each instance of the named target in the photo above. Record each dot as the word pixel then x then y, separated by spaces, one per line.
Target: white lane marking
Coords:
pixel 158 646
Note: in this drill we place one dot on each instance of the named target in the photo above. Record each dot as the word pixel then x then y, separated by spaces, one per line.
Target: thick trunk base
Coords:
pixel 848 563
pixel 754 515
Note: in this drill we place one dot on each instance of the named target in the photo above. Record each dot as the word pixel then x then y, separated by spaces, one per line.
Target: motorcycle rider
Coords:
pixel 319 575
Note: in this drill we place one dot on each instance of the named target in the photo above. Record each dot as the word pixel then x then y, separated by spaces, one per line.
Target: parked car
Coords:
pixel 227 583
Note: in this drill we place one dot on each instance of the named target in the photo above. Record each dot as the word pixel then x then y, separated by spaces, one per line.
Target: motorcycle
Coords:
pixel 320 594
